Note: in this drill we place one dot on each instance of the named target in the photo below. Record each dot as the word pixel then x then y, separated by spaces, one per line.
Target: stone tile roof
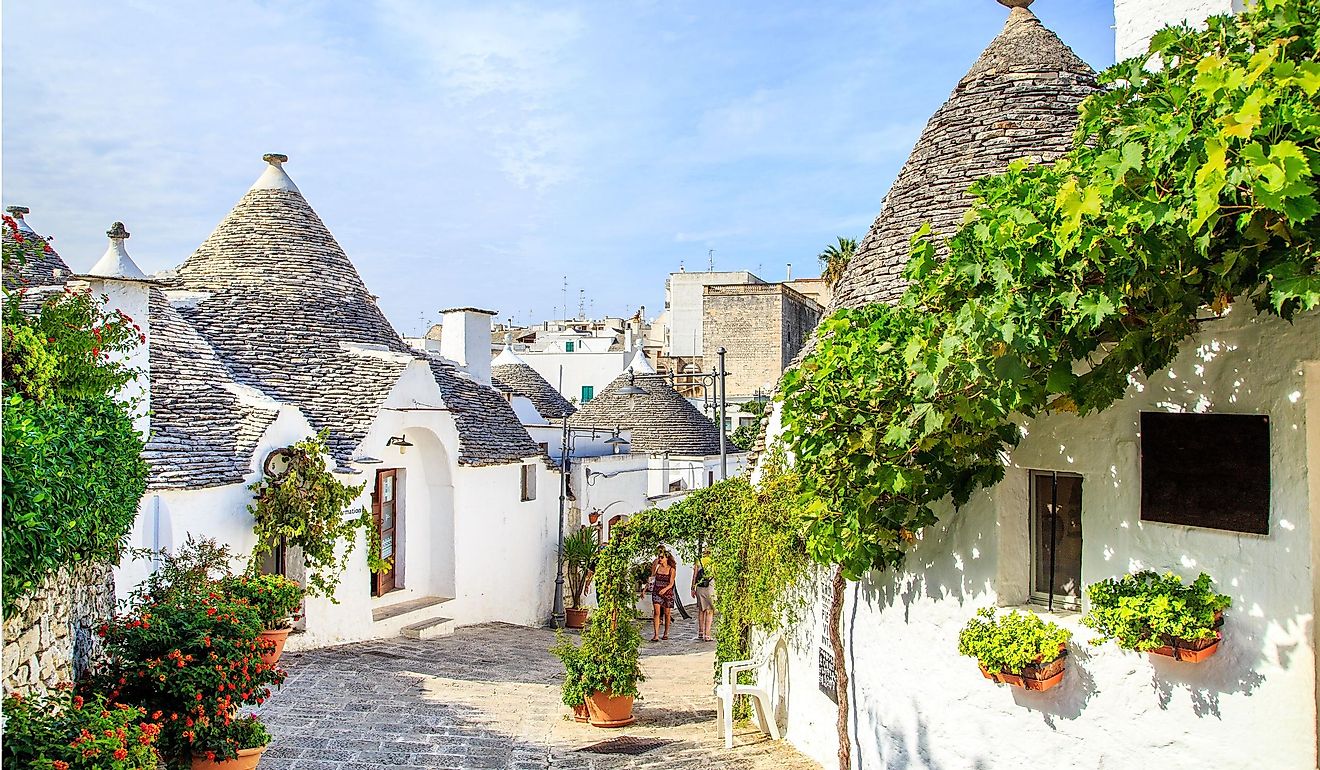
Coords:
pixel 514 376
pixel 203 428
pixel 660 421
pixel 43 265
pixel 282 306
pixel 489 432
pixel 1018 100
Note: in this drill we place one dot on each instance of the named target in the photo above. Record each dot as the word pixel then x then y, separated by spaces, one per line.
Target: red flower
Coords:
pixel 58 764
pixel 121 754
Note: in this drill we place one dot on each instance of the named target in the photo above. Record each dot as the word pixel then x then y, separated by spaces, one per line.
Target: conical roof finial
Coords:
pixel 115 262
pixel 1016 3
pixel 17 213
pixel 275 177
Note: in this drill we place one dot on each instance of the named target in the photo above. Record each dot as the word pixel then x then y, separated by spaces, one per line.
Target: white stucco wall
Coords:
pixel 1135 21
pixel 918 704
pixel 686 314
pixel 579 368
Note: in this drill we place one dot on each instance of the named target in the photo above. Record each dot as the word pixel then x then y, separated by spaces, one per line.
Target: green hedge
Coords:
pixel 73 477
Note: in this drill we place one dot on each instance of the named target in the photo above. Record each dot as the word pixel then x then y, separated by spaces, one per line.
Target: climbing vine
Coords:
pixel 307 508
pixel 755 556
pixel 1190 187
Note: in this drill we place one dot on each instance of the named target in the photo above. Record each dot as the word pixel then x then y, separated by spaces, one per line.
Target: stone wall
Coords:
pixel 762 326
pixel 51 636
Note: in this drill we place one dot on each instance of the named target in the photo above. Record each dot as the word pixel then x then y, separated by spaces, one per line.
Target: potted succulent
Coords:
pixel 1149 612
pixel 572 692
pixel 609 669
pixel 1016 648
pixel 579 562
pixel 235 744
pixel 69 732
pixel 277 600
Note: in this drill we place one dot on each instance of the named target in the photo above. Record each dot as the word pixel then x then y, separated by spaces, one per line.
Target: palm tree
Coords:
pixel 834 260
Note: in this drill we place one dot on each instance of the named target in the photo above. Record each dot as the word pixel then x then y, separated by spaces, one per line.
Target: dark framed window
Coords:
pixel 1206 470
pixel 1056 539
pixel 528 482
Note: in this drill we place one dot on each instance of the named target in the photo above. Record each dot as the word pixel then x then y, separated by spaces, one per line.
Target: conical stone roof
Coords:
pixel 512 375
pixel 1018 100
pixel 41 265
pixel 282 306
pixel 660 421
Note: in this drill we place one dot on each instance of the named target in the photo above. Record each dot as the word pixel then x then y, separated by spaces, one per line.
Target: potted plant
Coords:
pixel 1149 612
pixel 1016 648
pixel 277 600
pixel 579 561
pixel 232 744
pixel 610 670
pixel 64 731
pixel 572 692
pixel 185 652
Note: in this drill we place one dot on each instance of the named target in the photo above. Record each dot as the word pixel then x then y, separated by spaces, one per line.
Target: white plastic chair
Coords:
pixel 729 688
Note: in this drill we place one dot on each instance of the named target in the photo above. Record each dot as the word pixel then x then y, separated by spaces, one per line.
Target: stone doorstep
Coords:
pixel 429 629
pixel 391 611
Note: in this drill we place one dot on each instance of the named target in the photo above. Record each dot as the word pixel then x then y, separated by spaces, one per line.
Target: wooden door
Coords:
pixel 385 511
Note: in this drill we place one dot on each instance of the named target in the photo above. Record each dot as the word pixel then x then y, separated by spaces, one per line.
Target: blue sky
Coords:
pixel 476 153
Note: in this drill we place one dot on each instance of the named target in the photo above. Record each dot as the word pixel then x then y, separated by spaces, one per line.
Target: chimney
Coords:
pixel 465 338
pixel 790 273
pixel 128 290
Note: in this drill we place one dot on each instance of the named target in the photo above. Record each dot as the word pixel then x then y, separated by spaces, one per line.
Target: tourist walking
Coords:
pixel 703 590
pixel 664 572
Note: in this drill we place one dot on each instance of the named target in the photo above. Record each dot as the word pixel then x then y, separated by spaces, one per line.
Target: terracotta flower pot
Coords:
pixel 1190 651
pixel 575 617
pixel 246 760
pixel 1038 676
pixel 581 714
pixel 609 710
pixel 276 636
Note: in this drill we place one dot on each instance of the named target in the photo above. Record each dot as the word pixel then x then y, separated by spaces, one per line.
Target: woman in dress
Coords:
pixel 664 571
pixel 704 592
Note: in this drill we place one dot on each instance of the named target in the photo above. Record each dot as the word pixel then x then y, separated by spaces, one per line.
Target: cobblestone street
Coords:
pixel 488 697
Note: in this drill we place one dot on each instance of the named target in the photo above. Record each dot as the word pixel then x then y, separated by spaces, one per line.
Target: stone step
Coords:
pixel 428 629
pixel 389 611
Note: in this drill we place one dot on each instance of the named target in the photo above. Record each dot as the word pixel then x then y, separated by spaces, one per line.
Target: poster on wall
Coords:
pixel 826 678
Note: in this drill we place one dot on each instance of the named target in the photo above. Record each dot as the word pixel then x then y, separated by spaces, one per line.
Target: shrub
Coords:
pixel 1146 610
pixel 72 480
pixel 276 598
pixel 63 731
pixel 609 653
pixel 573 691
pixel 188 658
pixel 221 741
pixel 1011 641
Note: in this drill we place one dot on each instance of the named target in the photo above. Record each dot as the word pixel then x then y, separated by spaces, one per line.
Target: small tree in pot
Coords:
pixel 580 549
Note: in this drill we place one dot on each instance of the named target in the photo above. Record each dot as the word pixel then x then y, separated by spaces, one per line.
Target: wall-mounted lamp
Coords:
pixel 616 442
pixel 631 390
pixel 401 442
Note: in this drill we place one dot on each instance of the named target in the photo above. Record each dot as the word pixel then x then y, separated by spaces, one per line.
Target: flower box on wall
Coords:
pixel 1039 676
pixel 1194 650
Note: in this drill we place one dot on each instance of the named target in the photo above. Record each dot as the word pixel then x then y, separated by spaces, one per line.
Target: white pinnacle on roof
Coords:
pixel 274 177
pixel 17 213
pixel 115 262
pixel 506 357
pixel 639 364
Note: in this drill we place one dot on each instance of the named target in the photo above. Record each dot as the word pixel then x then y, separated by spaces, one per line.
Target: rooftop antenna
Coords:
pixel 710 260
pixel 681 269
pixel 582 304
pixel 565 296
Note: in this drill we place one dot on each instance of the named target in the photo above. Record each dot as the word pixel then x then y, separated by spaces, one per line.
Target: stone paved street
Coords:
pixel 488 697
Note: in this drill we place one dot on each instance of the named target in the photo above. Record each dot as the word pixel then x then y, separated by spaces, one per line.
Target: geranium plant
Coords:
pixel 218 741
pixel 1146 610
pixel 1011 641
pixel 63 731
pixel 276 598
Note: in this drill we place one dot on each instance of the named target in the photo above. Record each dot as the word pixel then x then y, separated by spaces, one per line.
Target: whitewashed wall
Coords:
pixel 918 704
pixel 1136 20
pixel 579 368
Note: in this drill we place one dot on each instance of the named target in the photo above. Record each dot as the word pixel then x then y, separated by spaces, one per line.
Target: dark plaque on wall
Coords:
pixel 1206 470
pixel 829 683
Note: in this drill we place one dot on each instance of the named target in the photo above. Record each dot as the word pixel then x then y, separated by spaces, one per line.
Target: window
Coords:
pixel 528 482
pixel 568 347
pixel 587 391
pixel 1056 539
pixel 1206 470
pixel 544 448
